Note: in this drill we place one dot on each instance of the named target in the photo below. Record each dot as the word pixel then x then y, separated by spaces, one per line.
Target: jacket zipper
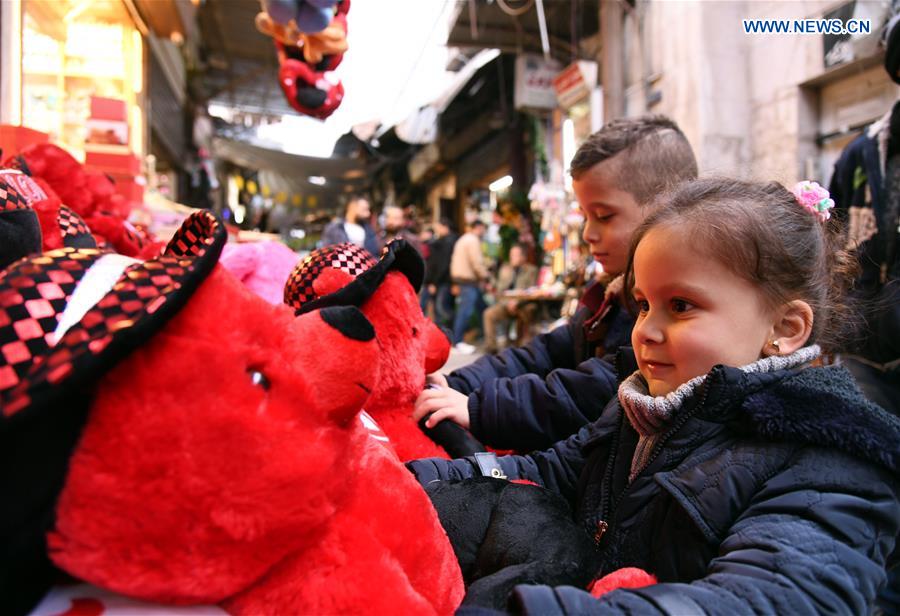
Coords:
pixel 609 505
pixel 602 525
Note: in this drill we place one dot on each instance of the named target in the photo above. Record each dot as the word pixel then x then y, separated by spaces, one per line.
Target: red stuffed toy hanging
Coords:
pixel 307 53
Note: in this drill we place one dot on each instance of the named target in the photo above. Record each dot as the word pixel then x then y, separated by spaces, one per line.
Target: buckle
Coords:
pixel 489 465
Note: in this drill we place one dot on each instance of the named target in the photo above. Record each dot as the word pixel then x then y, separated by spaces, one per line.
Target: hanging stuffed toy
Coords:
pixel 386 291
pixel 310 40
pixel 169 436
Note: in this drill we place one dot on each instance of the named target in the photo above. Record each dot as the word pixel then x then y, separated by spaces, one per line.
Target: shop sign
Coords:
pixel 575 82
pixel 534 82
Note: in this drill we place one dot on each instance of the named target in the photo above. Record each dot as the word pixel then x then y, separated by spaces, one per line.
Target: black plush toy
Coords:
pixel 506 533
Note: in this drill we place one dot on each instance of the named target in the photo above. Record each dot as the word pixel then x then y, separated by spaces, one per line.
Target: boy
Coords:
pixel 530 397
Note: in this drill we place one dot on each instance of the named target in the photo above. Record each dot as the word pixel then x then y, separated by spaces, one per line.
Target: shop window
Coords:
pixel 74 52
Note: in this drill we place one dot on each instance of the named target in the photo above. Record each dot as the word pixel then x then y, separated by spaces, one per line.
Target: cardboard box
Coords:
pixel 109 160
pixel 108 109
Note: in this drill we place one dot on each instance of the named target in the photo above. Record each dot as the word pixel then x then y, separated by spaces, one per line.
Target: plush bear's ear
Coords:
pixel 329 280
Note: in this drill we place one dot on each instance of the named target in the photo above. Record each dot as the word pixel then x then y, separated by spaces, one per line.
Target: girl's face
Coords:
pixel 694 312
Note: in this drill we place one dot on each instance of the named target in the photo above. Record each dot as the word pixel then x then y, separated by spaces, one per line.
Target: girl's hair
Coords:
pixel 762 234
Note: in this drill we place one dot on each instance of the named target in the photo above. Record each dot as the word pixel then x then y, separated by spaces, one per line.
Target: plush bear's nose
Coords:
pixel 350 321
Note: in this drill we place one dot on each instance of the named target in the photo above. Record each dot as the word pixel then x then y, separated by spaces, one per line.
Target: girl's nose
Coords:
pixel 648 331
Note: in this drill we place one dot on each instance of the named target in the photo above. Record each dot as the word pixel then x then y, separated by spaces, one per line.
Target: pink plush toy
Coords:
pixel 263 267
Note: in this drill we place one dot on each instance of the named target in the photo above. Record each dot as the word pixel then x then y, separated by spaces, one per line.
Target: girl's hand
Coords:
pixel 436 378
pixel 444 403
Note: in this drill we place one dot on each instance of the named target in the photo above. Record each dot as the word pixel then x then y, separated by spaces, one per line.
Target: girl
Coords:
pixel 744 477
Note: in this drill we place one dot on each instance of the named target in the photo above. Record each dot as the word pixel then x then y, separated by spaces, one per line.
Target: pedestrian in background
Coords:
pixel 355 227
pixel 395 226
pixel 437 273
pixel 468 272
pixel 516 274
pixel 865 187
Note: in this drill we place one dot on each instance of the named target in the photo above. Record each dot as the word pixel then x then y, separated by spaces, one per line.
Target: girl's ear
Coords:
pixel 791 329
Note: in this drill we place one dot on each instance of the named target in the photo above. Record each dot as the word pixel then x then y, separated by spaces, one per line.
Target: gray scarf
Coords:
pixel 650 415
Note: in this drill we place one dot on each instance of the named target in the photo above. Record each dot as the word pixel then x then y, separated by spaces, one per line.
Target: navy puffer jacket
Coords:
pixel 771 493
pixel 531 397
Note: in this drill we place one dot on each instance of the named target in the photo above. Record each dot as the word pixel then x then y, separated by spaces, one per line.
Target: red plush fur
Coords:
pixel 196 485
pixel 412 346
pixel 92 195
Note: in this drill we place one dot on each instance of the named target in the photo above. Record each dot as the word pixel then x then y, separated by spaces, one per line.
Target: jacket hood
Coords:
pixel 823 406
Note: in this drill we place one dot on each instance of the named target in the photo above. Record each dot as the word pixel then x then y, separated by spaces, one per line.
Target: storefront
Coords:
pixel 82 75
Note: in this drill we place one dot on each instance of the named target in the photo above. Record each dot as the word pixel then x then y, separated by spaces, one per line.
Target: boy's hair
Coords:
pixel 761 233
pixel 652 153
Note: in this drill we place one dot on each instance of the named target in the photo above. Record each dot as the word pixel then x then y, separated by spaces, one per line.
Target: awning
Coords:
pixel 292 172
pixel 488 26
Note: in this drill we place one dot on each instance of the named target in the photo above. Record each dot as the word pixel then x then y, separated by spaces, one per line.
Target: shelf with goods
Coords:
pixel 72 53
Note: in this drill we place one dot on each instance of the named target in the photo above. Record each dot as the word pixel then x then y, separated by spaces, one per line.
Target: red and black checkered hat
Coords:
pixel 367 274
pixel 20 231
pixel 68 314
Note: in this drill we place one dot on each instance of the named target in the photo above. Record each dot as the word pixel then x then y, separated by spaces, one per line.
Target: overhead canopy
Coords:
pixel 241 69
pixel 291 173
pixel 488 26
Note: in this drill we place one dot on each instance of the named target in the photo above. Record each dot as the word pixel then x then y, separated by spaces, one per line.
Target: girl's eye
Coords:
pixel 680 305
pixel 605 218
pixel 643 305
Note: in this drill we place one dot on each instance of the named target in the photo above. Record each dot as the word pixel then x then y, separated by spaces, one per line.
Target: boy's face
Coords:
pixel 611 215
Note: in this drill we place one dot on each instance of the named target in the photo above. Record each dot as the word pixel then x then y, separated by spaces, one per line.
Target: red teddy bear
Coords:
pixel 169 436
pixel 413 346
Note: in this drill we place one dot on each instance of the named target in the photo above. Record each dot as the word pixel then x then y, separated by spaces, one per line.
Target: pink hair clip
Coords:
pixel 814 199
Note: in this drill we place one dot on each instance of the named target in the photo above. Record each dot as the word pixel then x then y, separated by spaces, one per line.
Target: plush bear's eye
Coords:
pixel 415 332
pixel 259 379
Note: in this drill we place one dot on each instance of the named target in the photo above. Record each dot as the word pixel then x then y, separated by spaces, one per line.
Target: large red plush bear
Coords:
pixel 169 436
pixel 412 345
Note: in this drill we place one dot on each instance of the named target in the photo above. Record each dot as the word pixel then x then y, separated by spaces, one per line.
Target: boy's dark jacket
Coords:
pixel 531 397
pixel 771 493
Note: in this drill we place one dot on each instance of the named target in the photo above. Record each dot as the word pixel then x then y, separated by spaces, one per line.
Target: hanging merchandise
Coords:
pixel 310 39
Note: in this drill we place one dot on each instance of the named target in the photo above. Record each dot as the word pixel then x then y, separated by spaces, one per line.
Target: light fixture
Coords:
pixel 501 183
pixel 318 180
